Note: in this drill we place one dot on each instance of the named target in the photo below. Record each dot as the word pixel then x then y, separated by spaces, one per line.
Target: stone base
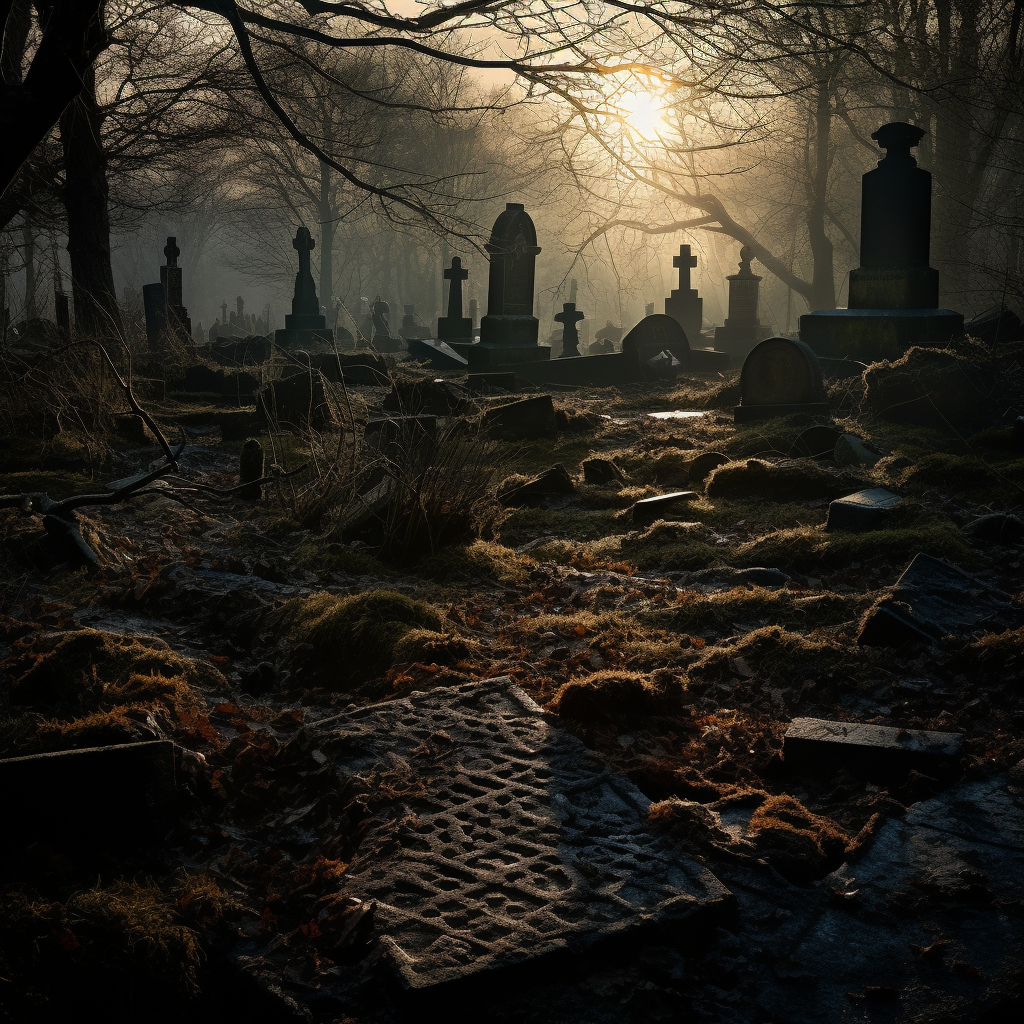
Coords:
pixel 869 335
pixel 321 340
pixel 738 339
pixel 454 329
pixel 517 331
pixel 305 322
pixel 754 413
pixel 894 288
pixel 704 360
pixel 487 356
pixel 593 371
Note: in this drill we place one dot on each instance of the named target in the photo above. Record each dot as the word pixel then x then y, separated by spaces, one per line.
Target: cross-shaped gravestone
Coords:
pixel 456 275
pixel 171 251
pixel 569 318
pixel 684 262
pixel 305 244
pixel 224 312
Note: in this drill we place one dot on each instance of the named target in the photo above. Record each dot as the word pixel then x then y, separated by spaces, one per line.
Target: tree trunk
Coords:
pixel 85 198
pixel 326 240
pixel 823 284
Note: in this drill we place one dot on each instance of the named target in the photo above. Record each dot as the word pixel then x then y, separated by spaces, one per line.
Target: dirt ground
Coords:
pixel 678 650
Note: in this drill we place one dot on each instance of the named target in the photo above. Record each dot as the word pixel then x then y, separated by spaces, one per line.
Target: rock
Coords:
pixel 998 527
pixel 661 506
pixel 850 450
pixel 815 443
pixel 820 745
pixel 866 510
pixel 704 465
pixel 932 599
pixel 555 481
pixel 518 421
pixel 601 471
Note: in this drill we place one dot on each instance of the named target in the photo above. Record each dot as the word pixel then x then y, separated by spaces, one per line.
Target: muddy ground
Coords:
pixel 677 650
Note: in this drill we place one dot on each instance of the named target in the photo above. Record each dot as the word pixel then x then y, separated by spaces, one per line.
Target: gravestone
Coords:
pixel 658 333
pixel 508 333
pixel 455 326
pixel 684 305
pixel 474 316
pixel 569 318
pixel 661 506
pixel 894 294
pixel 606 339
pixel 866 510
pixel 305 327
pixel 382 339
pixel 780 377
pixel 742 329
pixel 163 302
pixel 411 326
pixel 250 470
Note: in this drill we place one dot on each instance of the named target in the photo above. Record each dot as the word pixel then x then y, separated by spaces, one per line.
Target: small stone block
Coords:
pixel 850 450
pixel 820 743
pixel 661 506
pixel 865 510
pixel 529 418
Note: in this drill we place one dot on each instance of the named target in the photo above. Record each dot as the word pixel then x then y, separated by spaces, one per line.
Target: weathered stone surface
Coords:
pixel 998 527
pixel 850 450
pixel 600 471
pixel 704 465
pixel 301 400
pixel 816 743
pixel 656 334
pixel 865 510
pixel 531 417
pixel 661 506
pixel 496 837
pixel 934 598
pixel 95 798
pixel 553 481
pixel 780 377
pixel 438 353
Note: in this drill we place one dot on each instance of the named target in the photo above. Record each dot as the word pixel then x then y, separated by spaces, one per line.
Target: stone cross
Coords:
pixel 569 318
pixel 455 275
pixel 171 251
pixel 685 262
pixel 305 244
pixel 224 312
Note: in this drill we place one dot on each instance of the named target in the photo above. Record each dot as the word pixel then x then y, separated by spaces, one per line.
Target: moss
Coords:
pixel 485 560
pixel 341 642
pixel 795 480
pixel 526 524
pixel 430 647
pixel 609 695
pixel 334 556
pixel 800 845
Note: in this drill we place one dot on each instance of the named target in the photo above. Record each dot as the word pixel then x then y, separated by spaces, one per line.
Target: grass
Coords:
pixel 609 695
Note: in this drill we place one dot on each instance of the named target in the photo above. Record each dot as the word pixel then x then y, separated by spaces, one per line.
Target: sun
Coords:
pixel 644 112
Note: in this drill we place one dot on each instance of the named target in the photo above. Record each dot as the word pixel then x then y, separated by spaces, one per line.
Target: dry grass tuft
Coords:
pixel 609 695
pixel 800 845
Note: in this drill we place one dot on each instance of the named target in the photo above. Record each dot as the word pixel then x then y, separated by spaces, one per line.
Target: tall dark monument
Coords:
pixel 508 331
pixel 894 293
pixel 305 327
pixel 163 302
pixel 455 326
pixel 684 305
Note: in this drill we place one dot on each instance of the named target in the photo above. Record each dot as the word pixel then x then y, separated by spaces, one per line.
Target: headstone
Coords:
pixel 655 334
pixel 742 329
pixel 850 450
pixel 569 318
pixel 176 316
pixel 820 745
pixel 894 294
pixel 454 326
pixel 552 483
pixel 411 326
pixel 508 333
pixel 684 305
pixel 474 316
pixel 300 400
pixel 704 465
pixel 250 470
pixel 780 377
pixel 661 506
pixel 818 442
pixel 600 471
pixel 529 418
pixel 305 327
pixel 866 510
pixel 610 335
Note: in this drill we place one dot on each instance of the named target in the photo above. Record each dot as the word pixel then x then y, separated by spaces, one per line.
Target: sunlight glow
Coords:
pixel 644 112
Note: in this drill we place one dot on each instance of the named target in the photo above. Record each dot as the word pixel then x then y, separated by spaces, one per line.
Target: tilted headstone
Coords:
pixel 455 326
pixel 780 377
pixel 305 327
pixel 508 332
pixel 569 318
pixel 894 293
pixel 684 305
pixel 655 334
pixel 742 329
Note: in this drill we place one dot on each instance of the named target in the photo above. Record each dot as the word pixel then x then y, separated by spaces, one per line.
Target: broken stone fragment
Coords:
pixel 601 471
pixel 865 510
pixel 529 418
pixel 661 506
pixel 555 481
pixel 850 450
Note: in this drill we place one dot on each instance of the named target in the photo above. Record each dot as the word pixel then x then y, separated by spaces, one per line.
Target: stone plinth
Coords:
pixel 869 335
pixel 780 377
pixel 742 329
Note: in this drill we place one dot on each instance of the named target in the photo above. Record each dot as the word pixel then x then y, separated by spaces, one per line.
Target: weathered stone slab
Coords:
pixel 656 334
pixel 823 744
pixel 531 417
pixel 850 450
pixel 94 798
pixel 597 470
pixel 496 837
pixel 661 506
pixel 439 353
pixel 865 510
pixel 934 598
pixel 553 481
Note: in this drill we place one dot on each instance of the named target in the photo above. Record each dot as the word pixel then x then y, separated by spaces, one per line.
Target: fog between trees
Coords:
pixel 397 137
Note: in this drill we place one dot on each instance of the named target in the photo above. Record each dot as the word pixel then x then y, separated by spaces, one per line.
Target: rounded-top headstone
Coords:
pixel 780 371
pixel 658 333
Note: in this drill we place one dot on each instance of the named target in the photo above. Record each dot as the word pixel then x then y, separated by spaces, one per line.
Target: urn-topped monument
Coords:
pixel 894 293
pixel 508 331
